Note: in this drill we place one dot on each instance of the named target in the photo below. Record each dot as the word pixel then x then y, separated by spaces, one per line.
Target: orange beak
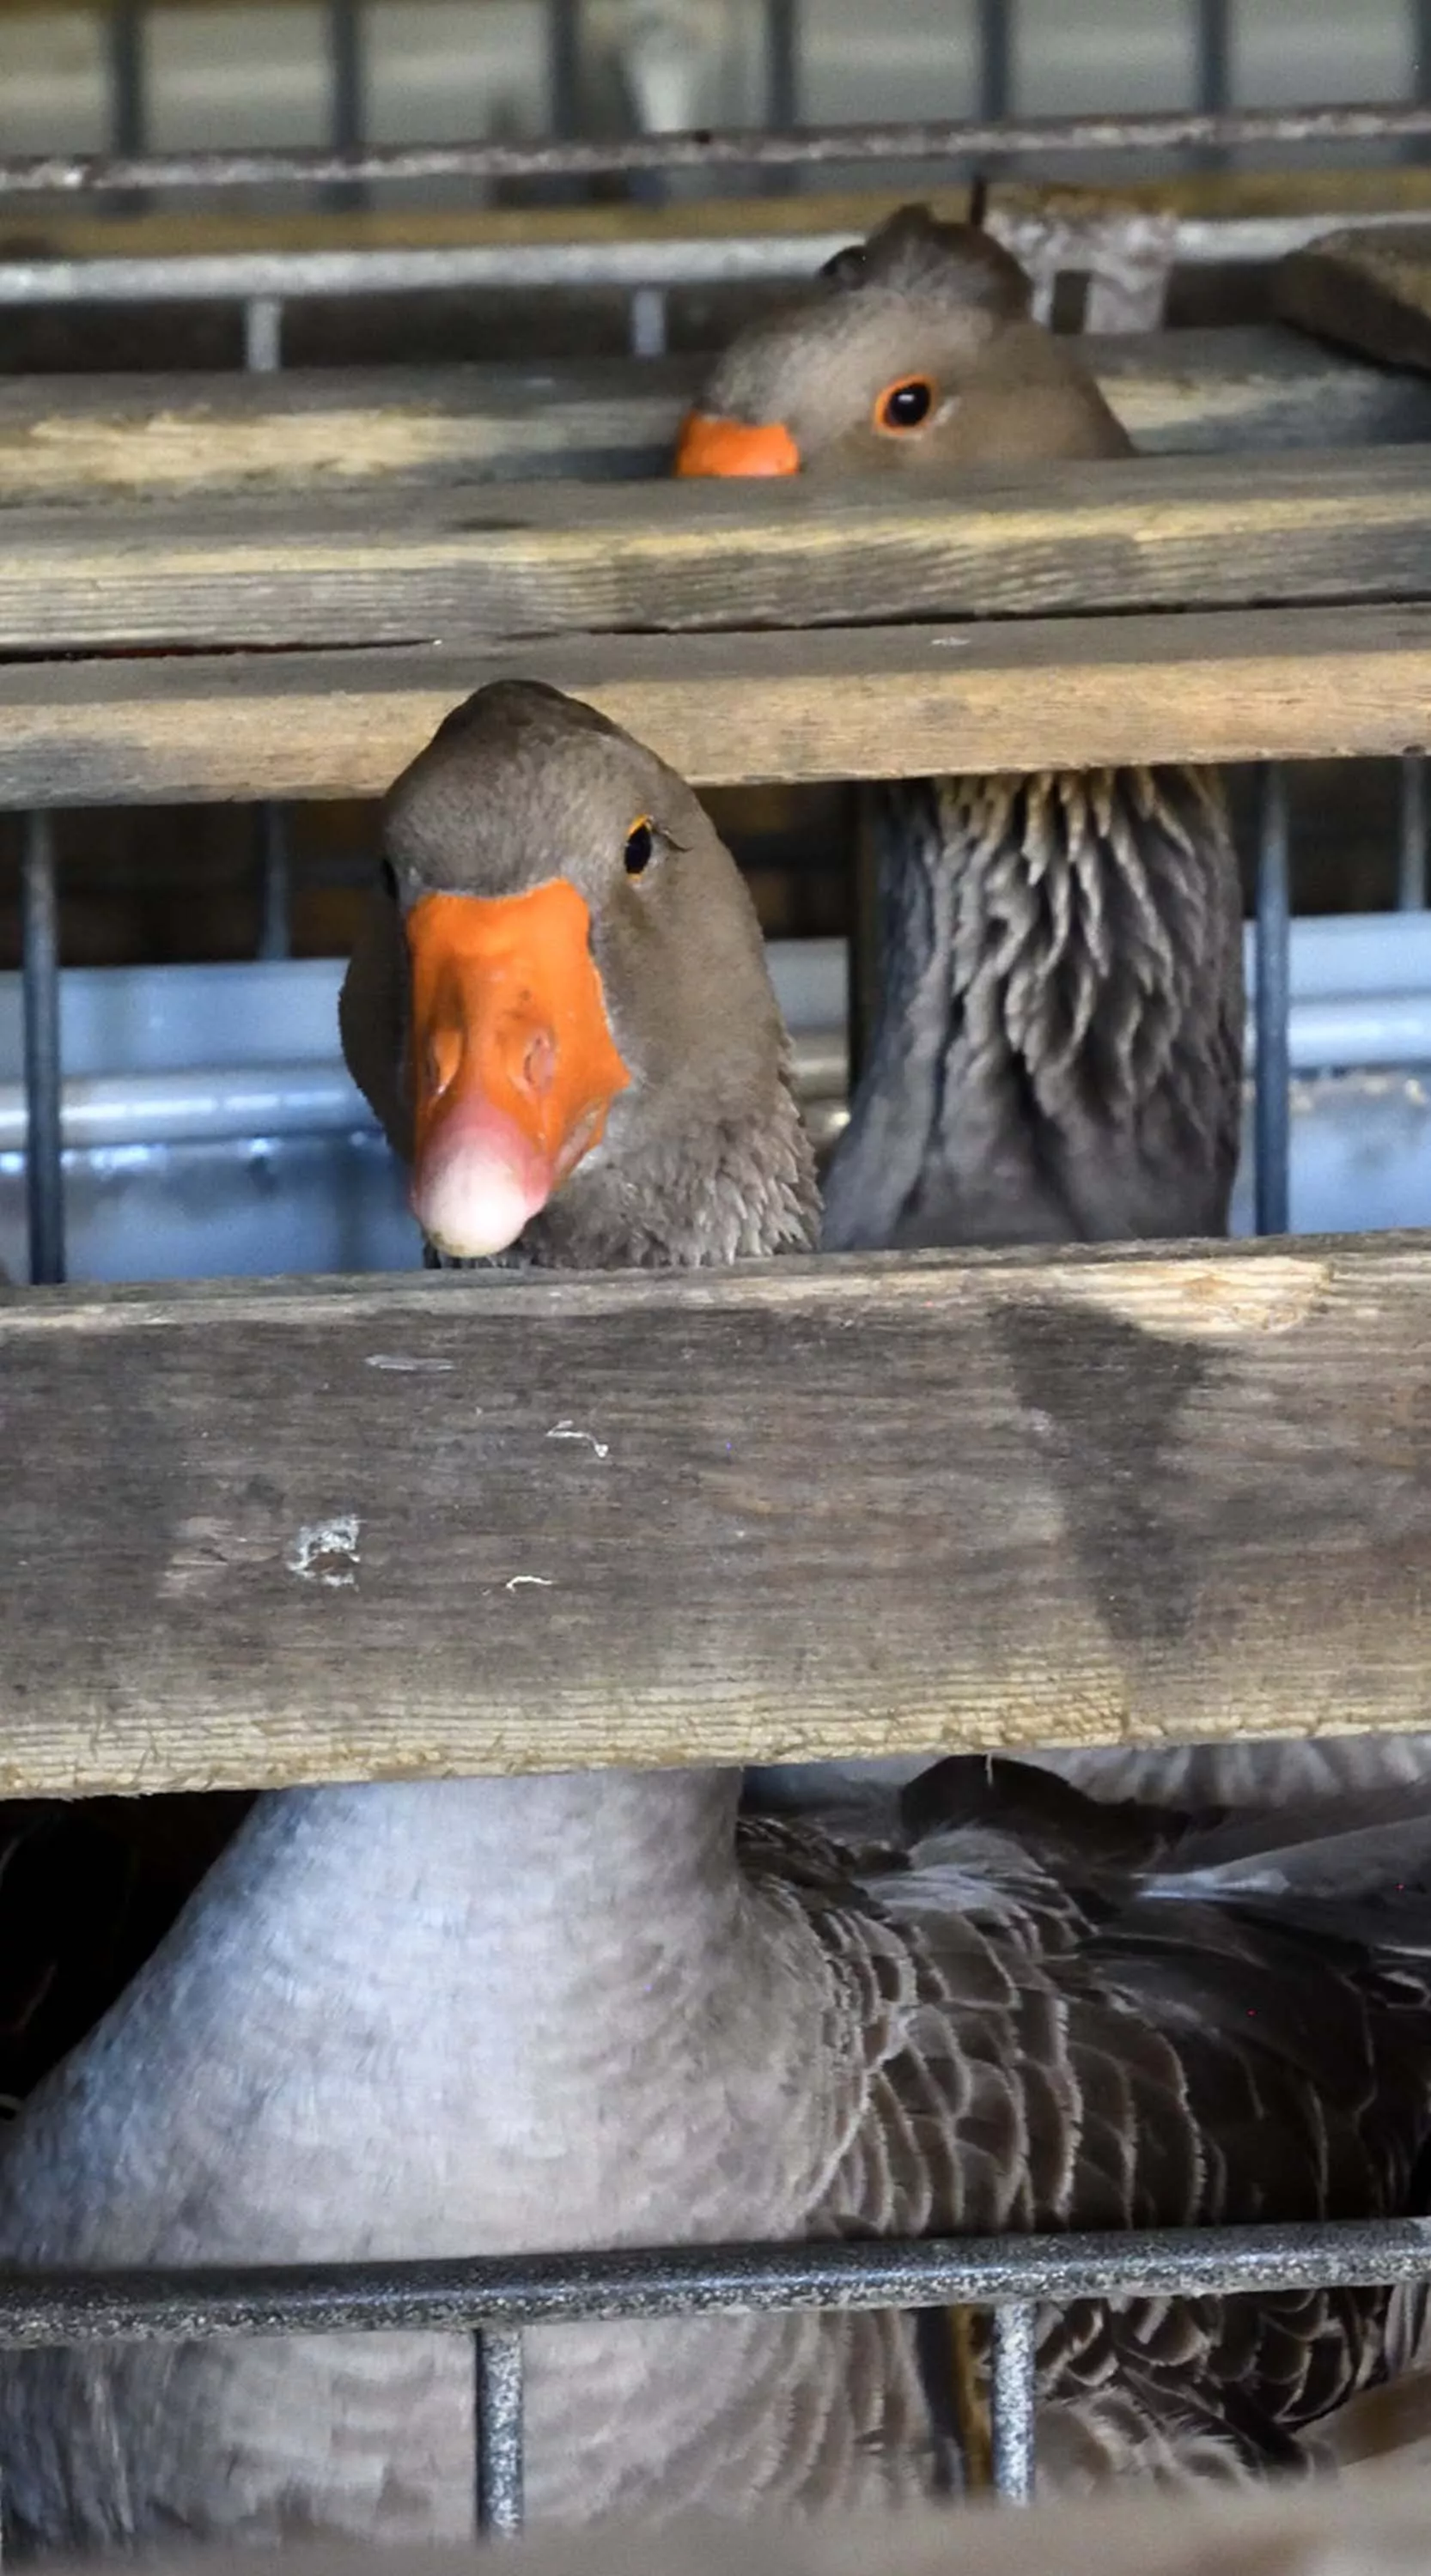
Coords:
pixel 712 446
pixel 514 1066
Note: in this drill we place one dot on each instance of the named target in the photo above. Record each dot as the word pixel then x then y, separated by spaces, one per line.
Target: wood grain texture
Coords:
pixel 533 559
pixel 86 439
pixel 343 1529
pixel 872 702
pixel 1369 291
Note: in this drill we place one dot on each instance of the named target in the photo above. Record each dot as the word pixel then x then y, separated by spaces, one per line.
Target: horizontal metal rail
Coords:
pixel 501 2293
pixel 959 139
pixel 493 2299
pixel 269 277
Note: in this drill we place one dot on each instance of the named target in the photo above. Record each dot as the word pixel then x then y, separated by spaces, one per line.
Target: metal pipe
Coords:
pixel 499 2435
pixel 128 123
pixel 563 74
pixel 498 2293
pixel 996 59
pixel 275 931
pixel 1272 1006
pixel 782 65
pixel 1012 2400
pixel 347 103
pixel 1411 851
pixel 262 335
pixel 958 139
pixel 648 322
pixel 669 260
pixel 44 1164
pixel 1213 85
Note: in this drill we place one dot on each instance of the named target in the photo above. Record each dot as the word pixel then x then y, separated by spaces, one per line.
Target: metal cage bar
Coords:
pixel 1272 1006
pixel 957 139
pixel 493 2299
pixel 1012 2400
pixel 40 950
pixel 1411 867
pixel 499 2433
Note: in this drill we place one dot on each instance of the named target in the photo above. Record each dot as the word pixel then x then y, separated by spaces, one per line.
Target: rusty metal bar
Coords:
pixel 954 139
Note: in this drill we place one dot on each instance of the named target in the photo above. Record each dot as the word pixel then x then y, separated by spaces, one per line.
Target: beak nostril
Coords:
pixel 539 1063
pixel 443 1057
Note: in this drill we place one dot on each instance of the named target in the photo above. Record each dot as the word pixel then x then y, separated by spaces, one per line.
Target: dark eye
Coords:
pixel 905 405
pixel 640 847
pixel 387 878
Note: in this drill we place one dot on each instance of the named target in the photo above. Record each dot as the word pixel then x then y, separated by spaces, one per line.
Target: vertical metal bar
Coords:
pixel 648 322
pixel 1411 870
pixel 44 1165
pixel 1012 2372
pixel 275 933
pixel 498 2359
pixel 1272 1002
pixel 263 356
pixel 263 335
pixel 996 58
pixel 128 123
pixel 563 69
pixel 1420 13
pixel 347 102
pixel 1212 22
pixel 782 65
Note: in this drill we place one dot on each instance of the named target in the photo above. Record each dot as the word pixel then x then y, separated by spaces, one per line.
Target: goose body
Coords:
pixel 1057 1056
pixel 506 2015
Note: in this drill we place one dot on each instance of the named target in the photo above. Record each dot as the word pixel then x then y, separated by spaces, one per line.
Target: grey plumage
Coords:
pixel 1058 1053
pixel 1058 1050
pixel 515 2014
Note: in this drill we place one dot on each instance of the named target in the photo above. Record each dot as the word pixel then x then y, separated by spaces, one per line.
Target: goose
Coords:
pixel 1058 1050
pixel 513 2014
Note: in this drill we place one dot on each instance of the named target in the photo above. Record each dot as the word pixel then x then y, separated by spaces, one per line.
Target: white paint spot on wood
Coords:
pixel 569 1431
pixel 515 1582
pixel 399 1366
pixel 326 1552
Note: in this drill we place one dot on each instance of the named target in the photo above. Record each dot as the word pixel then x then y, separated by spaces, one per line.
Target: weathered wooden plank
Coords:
pixel 870 702
pixel 1371 291
pixel 1190 532
pixel 321 1530
pixel 83 439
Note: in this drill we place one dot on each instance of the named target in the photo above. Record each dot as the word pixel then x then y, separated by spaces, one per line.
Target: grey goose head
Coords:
pixel 560 1009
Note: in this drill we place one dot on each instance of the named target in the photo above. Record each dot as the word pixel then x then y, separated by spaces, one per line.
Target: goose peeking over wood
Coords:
pixel 1058 1050
pixel 504 2015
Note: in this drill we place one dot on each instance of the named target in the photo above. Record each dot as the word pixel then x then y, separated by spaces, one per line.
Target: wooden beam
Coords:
pixel 869 702
pixel 514 560
pixel 1370 291
pixel 87 438
pixel 325 1530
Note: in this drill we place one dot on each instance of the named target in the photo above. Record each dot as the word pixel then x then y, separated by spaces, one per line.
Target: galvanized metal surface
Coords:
pixel 506 2294
pixel 40 937
pixel 1013 2364
pixel 498 2359
pixel 956 139
pixel 1272 990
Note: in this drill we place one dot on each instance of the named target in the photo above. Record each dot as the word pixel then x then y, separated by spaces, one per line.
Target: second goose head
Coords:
pixel 914 351
pixel 559 1006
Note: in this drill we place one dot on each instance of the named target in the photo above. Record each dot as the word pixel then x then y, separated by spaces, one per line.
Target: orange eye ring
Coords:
pixel 904 406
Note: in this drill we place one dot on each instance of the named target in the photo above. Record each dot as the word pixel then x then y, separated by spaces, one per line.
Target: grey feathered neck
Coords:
pixel 1058 1050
